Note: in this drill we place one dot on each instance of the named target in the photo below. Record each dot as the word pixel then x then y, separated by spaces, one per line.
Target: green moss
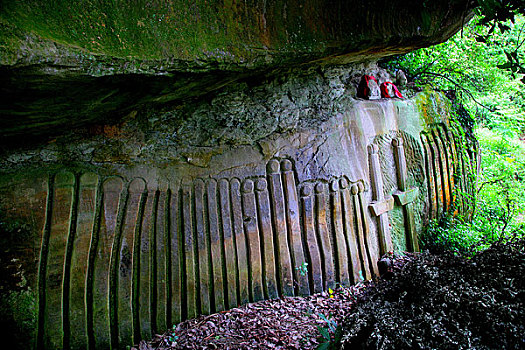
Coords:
pixel 433 107
pixel 214 32
pixel 18 318
pixel 159 30
pixel 18 297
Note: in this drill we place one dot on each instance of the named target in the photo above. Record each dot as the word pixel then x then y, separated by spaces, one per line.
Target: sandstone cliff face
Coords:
pixel 116 234
pixel 70 64
pixel 161 160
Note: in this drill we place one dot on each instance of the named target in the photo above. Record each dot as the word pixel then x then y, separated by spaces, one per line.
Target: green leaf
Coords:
pixel 324 332
pixel 505 65
pixel 503 28
pixel 323 346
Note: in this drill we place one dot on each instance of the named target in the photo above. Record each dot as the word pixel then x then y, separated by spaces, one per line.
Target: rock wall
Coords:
pixel 160 160
pixel 67 64
pixel 282 188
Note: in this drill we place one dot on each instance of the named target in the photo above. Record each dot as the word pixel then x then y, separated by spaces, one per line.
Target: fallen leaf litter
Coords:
pixel 287 323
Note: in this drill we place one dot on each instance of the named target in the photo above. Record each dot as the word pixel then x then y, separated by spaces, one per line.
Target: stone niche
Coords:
pixel 112 253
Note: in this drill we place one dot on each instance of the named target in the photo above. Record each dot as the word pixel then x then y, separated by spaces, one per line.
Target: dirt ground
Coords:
pixel 422 301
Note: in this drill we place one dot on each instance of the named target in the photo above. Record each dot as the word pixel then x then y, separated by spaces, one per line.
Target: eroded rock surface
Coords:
pixel 161 160
pixel 70 64
pixel 129 233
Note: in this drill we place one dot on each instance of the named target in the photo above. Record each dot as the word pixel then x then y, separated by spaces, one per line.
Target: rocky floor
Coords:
pixel 423 301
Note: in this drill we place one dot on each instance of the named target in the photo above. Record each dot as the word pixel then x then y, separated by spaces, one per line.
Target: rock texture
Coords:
pixel 116 249
pixel 69 64
pixel 161 160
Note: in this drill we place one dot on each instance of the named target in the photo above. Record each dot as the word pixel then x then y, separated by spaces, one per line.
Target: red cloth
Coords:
pixel 384 90
pixel 363 91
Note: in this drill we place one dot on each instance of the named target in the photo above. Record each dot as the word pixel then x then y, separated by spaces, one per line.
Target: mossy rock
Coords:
pixel 67 64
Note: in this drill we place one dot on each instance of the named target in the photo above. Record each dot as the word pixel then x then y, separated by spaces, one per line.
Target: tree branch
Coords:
pixel 491 182
pixel 456 84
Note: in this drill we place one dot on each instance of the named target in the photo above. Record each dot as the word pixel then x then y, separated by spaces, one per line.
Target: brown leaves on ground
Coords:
pixel 423 301
pixel 287 323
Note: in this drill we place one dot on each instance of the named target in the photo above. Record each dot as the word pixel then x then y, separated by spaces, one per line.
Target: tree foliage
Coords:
pixel 494 96
pixel 496 14
pixel 483 65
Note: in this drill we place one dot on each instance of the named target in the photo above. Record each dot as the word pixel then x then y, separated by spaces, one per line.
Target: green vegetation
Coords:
pixel 330 335
pixel 126 29
pixel 490 96
pixel 499 215
pixel 18 301
pixel 494 96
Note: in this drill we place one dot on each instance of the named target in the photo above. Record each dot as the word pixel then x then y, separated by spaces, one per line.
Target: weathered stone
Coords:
pixel 401 78
pixel 380 205
pixel 405 196
pixel 149 239
pixel 69 64
pixel 167 160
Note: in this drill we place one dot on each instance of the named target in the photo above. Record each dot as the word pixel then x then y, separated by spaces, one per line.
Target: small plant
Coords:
pixel 331 335
pixel 303 269
pixel 331 293
pixel 173 338
pixel 361 277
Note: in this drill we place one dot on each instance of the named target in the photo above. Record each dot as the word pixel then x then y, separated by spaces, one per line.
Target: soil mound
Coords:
pixel 444 302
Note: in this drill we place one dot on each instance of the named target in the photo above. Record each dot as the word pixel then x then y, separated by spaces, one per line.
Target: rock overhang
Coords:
pixel 66 65
pixel 253 169
pixel 220 35
pixel 245 219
